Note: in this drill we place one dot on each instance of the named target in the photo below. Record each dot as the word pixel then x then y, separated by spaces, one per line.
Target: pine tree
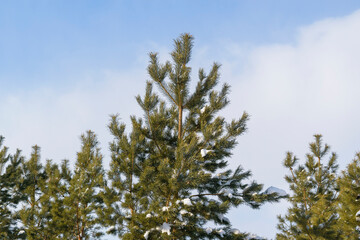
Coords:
pixel 58 189
pixel 43 215
pixel 84 200
pixel 168 175
pixel 34 180
pixel 5 213
pixel 10 192
pixel 54 219
pixel 313 212
pixel 349 183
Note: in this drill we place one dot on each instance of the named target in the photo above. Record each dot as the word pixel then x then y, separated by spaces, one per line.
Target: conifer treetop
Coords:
pixel 313 212
pixel 349 184
pixel 168 175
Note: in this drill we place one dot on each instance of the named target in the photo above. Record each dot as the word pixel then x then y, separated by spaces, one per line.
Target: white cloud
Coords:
pixel 55 120
pixel 292 92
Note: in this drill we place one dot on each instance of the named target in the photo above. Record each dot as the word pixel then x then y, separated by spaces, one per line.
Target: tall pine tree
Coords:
pixel 169 176
pixel 32 213
pixel 10 192
pixel 349 183
pixel 84 201
pixel 44 214
pixel 55 220
pixel 313 212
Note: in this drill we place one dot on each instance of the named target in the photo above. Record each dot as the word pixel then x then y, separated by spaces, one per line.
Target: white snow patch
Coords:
pixel 221 232
pixel 165 228
pixel 183 211
pixel 208 230
pixel 146 235
pixel 200 138
pixel 222 218
pixel 276 190
pixel 186 201
pixel 255 237
pixel 228 193
pixel 235 231
pixel 204 152
pixel 110 228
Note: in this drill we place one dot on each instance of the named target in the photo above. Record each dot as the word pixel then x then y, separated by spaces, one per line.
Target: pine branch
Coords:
pixel 167 92
pixel 180 122
pixel 152 133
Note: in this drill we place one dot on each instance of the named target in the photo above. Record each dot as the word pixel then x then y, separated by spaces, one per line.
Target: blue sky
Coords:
pixel 47 42
pixel 293 65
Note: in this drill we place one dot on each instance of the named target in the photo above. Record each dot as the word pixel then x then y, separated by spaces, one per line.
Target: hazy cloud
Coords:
pixel 54 120
pixel 292 92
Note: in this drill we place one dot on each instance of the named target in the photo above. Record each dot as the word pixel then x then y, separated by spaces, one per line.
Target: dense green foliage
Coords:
pixel 84 200
pixel 169 174
pixel 314 203
pixel 10 192
pixel 34 212
pixel 51 202
pixel 349 182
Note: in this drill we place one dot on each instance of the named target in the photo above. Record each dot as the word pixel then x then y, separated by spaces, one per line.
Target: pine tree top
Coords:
pixel 170 172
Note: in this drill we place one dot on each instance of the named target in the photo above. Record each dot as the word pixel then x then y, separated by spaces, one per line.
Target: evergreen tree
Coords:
pixel 10 192
pixel 55 221
pixel 32 214
pixel 44 214
pixel 84 201
pixel 313 212
pixel 349 183
pixel 60 225
pixel 168 176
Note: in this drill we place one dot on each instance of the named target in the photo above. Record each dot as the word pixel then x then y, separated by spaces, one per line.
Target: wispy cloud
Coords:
pixel 292 92
pixel 54 120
